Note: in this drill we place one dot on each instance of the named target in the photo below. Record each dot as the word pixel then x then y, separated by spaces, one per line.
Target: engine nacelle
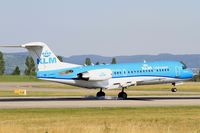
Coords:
pixel 96 75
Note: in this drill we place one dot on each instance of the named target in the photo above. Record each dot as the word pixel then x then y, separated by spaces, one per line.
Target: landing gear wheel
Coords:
pixel 122 95
pixel 174 90
pixel 174 87
pixel 100 94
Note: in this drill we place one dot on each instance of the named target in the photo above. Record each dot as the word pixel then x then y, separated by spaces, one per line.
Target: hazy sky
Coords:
pixel 104 27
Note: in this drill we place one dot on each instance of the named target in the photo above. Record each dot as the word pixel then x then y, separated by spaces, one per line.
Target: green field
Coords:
pixel 101 120
pixel 15 78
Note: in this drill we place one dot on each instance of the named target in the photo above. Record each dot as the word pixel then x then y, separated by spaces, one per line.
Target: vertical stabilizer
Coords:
pixel 44 58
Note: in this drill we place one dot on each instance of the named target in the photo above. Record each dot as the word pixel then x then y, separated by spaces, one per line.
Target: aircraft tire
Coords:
pixel 174 90
pixel 100 94
pixel 122 95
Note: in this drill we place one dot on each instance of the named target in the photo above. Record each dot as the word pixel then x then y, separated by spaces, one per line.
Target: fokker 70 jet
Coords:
pixel 105 76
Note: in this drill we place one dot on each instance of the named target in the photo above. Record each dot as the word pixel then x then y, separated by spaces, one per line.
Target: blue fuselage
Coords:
pixel 170 69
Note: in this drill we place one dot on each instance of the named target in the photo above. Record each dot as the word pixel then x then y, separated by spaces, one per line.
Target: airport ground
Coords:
pixel 57 108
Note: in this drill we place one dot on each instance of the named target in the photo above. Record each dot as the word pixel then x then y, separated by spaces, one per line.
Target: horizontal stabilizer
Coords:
pixel 11 46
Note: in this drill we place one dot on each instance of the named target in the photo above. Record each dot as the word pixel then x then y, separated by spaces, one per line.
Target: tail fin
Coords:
pixel 44 57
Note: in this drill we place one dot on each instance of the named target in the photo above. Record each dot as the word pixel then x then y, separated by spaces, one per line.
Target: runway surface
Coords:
pixel 84 102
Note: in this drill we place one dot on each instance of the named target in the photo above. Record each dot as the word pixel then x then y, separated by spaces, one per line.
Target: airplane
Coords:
pixel 105 76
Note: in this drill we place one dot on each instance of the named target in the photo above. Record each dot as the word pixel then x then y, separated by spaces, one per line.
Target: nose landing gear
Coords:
pixel 174 87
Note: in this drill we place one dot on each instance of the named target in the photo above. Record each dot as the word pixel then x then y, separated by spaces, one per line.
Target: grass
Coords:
pixel 56 85
pixel 45 94
pixel 102 120
pixel 16 78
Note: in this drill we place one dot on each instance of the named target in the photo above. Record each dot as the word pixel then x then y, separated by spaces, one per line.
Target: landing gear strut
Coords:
pixel 100 93
pixel 122 94
pixel 174 87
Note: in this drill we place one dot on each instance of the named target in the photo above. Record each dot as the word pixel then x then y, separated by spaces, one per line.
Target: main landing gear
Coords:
pixel 122 94
pixel 100 93
pixel 174 87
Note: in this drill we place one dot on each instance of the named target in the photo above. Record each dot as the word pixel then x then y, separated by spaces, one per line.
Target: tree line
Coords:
pixel 31 67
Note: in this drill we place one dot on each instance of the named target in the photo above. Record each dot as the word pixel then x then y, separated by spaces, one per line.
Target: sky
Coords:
pixel 103 27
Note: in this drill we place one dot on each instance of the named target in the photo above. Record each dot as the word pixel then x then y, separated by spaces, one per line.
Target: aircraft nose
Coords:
pixel 187 74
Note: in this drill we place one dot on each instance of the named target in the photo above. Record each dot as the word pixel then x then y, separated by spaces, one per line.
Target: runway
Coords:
pixel 85 102
pixel 163 97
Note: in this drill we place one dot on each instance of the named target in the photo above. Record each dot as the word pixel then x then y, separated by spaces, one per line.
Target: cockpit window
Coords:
pixel 184 65
pixel 66 72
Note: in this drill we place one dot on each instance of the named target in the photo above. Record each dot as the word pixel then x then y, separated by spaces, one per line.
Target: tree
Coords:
pixel 2 64
pixel 60 58
pixel 196 77
pixel 16 71
pixel 88 62
pixel 97 63
pixel 199 76
pixel 114 61
pixel 30 66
